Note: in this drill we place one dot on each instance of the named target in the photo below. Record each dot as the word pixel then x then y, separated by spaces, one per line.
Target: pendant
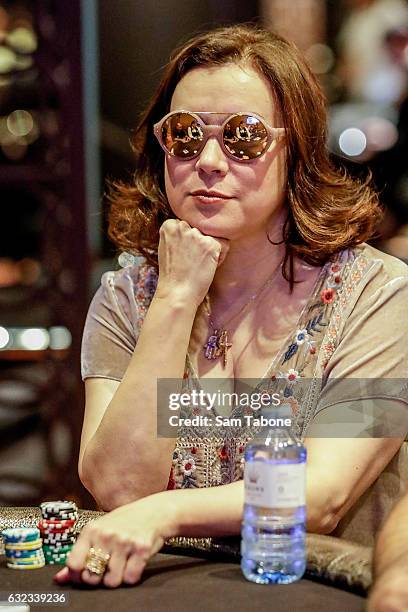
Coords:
pixel 217 344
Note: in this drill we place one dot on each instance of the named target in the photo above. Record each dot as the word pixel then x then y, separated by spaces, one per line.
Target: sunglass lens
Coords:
pixel 245 137
pixel 182 135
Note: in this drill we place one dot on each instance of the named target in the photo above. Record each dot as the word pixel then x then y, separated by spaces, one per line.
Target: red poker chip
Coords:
pixel 58 530
pixel 56 534
pixel 55 525
pixel 61 522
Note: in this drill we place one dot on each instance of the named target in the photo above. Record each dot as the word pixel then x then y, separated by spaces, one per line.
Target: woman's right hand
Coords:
pixel 188 260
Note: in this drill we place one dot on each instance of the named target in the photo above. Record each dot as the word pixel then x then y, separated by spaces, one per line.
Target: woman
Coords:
pixel 255 267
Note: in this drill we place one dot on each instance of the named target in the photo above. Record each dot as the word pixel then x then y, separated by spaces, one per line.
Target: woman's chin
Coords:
pixel 210 227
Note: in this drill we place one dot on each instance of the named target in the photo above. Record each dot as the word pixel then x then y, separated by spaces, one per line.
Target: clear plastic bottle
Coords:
pixel 273 546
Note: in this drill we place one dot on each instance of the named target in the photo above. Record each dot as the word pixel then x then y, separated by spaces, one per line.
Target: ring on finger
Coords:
pixel 96 561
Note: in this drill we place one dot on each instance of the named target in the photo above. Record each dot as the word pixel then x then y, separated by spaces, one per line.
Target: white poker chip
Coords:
pixel 57 506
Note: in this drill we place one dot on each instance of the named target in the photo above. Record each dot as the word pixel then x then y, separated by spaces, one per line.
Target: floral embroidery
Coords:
pixel 177 456
pixel 223 454
pixel 301 336
pixel 209 463
pixel 292 375
pixel 188 466
pixel 328 295
pixel 150 282
pixel 313 326
pixel 293 403
pixel 329 348
pixel 292 350
pixel 334 282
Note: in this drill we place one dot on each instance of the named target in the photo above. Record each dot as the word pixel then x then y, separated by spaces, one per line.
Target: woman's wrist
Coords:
pixel 179 297
pixel 163 505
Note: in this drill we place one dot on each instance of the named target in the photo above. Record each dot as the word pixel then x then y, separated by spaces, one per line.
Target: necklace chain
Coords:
pixel 217 343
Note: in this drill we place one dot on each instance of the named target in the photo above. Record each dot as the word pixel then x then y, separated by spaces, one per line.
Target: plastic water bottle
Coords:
pixel 273 546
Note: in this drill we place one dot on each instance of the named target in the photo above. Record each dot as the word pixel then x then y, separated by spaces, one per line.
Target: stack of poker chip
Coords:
pixel 23 548
pixel 57 528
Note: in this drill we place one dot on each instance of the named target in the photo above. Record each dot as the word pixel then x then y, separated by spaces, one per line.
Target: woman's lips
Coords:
pixel 210 197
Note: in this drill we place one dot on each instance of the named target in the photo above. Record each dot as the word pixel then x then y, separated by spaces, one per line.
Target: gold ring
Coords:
pixel 96 561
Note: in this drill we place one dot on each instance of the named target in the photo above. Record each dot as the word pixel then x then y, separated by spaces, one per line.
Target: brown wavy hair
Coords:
pixel 327 210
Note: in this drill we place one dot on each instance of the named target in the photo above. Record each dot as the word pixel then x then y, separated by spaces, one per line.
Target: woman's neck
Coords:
pixel 248 265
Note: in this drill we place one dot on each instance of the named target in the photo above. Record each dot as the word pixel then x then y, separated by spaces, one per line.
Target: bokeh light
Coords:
pixel 4 337
pixel 22 40
pixel 20 122
pixel 60 338
pixel 34 339
pixel 381 133
pixel 7 60
pixel 320 58
pixel 352 142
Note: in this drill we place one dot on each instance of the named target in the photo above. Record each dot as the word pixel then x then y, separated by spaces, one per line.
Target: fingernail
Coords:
pixel 61 574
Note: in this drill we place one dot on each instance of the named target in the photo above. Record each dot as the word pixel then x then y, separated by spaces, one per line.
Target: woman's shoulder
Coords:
pixel 134 280
pixel 126 293
pixel 387 266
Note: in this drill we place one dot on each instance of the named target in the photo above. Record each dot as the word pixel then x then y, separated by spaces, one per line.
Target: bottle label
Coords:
pixel 281 485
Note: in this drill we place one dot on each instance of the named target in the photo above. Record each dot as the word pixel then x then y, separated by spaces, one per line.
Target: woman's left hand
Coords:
pixel 130 534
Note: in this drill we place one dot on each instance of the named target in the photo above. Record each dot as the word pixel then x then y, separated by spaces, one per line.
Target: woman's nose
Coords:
pixel 212 158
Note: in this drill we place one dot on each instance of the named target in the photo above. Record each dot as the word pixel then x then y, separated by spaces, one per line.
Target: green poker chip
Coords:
pixel 57 549
pixel 53 555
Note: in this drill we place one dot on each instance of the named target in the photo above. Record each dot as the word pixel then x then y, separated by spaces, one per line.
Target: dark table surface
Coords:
pixel 184 584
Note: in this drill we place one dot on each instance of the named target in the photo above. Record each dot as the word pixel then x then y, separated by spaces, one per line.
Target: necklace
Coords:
pixel 217 343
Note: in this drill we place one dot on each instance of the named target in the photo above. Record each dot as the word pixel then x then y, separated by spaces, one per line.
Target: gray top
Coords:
pixel 350 344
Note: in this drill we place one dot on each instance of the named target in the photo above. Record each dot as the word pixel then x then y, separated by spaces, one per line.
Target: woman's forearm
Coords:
pixel 389 590
pixel 217 511
pixel 125 460
pixel 392 542
pixel 203 512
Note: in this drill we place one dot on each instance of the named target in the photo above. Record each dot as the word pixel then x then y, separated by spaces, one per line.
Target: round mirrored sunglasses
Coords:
pixel 243 136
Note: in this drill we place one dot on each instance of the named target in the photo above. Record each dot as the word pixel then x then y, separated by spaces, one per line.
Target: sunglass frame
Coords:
pixel 217 130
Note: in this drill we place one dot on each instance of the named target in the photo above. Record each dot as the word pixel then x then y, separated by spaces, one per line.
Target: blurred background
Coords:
pixel 74 77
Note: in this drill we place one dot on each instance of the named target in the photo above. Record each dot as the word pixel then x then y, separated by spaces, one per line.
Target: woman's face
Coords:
pixel 254 191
